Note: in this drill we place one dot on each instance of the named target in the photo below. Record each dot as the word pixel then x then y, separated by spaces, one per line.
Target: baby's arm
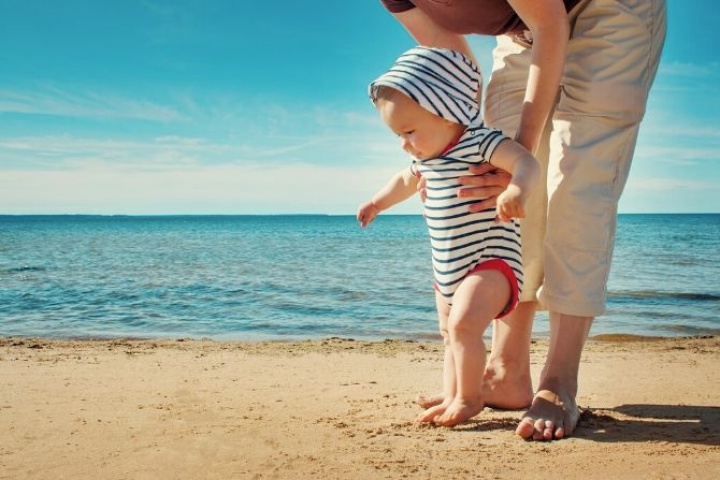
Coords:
pixel 525 170
pixel 400 187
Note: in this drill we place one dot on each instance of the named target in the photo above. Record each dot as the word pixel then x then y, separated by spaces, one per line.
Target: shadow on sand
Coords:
pixel 699 425
pixel 643 423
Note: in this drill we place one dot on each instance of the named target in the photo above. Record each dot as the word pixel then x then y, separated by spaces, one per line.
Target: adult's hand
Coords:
pixel 487 183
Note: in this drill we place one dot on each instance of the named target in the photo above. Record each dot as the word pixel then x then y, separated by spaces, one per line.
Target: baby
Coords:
pixel 429 99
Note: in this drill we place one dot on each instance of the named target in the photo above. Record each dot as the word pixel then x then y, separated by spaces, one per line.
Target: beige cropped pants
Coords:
pixel 587 146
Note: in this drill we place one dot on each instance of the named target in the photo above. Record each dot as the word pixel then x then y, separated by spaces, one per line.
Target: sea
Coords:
pixel 297 277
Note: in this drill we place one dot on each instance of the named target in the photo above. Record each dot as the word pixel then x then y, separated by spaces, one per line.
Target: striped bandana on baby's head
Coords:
pixel 444 82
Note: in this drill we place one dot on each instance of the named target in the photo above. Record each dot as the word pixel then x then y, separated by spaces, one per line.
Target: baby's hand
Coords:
pixel 422 188
pixel 510 204
pixel 367 213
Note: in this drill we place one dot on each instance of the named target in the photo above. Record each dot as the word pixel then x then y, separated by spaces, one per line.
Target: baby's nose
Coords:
pixel 406 145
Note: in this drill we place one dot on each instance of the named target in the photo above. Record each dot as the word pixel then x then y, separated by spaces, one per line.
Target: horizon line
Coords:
pixel 288 214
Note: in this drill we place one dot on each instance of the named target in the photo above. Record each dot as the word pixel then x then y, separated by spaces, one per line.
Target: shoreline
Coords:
pixel 429 338
pixel 338 408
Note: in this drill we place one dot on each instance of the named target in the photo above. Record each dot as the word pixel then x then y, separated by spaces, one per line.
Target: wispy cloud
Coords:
pixel 686 162
pixel 210 112
pixel 711 69
pixel 680 131
pixel 670 184
pixel 171 152
pixel 68 152
pixel 55 101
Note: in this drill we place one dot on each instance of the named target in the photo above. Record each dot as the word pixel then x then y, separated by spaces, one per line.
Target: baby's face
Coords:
pixel 423 135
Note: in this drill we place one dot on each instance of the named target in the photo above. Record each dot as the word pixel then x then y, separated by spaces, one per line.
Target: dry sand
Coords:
pixel 337 409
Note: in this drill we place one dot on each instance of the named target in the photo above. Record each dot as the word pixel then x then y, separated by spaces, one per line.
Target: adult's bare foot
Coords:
pixel 507 389
pixel 550 417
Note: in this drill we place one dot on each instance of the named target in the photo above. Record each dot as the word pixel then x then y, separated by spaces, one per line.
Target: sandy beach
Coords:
pixel 337 409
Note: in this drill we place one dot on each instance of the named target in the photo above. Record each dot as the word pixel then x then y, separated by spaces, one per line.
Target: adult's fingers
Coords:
pixel 482 168
pixel 483 205
pixel 481 192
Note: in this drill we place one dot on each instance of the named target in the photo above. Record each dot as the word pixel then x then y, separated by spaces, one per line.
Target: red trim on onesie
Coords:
pixel 502 267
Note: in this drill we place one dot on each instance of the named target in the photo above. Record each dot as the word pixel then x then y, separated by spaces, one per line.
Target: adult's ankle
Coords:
pixel 559 384
pixel 503 365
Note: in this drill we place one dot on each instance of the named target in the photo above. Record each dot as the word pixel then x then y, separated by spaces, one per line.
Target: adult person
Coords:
pixel 570 82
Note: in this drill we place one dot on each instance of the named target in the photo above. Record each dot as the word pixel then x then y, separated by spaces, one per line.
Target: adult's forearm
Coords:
pixel 543 84
pixel 548 57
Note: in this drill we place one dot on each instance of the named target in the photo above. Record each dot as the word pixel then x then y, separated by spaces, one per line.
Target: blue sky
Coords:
pixel 220 107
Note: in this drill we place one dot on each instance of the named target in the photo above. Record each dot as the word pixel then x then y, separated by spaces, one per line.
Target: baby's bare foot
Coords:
pixel 427 401
pixel 503 389
pixel 550 417
pixel 459 411
pixel 432 413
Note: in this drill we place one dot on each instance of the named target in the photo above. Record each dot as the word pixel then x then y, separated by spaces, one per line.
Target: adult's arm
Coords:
pixel 548 23
pixel 547 20
pixel 427 32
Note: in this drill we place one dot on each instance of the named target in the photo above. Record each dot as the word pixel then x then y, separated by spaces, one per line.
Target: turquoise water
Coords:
pixel 297 277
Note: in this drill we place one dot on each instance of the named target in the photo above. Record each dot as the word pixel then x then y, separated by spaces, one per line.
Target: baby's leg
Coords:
pixel 479 298
pixel 449 376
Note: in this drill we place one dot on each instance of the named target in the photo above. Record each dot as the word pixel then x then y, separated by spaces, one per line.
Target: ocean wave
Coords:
pixel 24 269
pixel 660 295
pixel 689 330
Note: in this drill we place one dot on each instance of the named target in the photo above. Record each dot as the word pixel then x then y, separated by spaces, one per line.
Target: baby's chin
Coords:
pixel 421 157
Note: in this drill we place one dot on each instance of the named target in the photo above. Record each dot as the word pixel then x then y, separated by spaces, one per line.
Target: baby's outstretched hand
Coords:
pixel 367 213
pixel 510 204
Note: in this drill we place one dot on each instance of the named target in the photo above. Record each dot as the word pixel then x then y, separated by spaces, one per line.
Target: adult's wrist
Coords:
pixel 528 141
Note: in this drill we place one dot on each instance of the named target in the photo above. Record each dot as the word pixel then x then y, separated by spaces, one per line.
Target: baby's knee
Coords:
pixel 445 334
pixel 458 323
pixel 463 325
